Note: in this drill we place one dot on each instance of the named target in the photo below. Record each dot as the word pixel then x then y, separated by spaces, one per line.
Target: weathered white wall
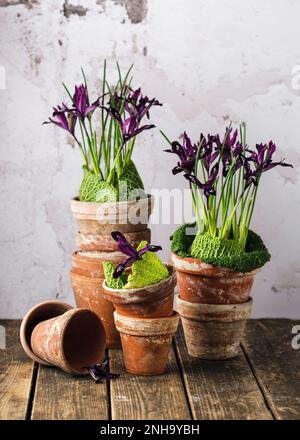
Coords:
pixel 208 61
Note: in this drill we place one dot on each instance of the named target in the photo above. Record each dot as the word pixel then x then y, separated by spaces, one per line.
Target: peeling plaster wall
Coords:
pixel 208 61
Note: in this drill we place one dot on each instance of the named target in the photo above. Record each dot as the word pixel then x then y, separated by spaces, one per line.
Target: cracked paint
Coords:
pixel 136 9
pixel 70 9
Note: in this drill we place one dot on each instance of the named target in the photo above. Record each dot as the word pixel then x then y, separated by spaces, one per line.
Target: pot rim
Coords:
pixel 210 312
pixel 76 202
pixel 74 312
pixel 26 320
pixel 197 265
pixel 150 288
pixel 137 326
pixel 95 255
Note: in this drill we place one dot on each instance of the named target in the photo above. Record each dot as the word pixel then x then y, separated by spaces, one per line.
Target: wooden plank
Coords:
pixel 221 389
pixel 276 364
pixel 16 371
pixel 60 396
pixel 141 397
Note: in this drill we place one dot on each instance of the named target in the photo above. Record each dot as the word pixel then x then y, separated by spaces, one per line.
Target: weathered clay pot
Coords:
pixel 89 294
pixel 89 242
pixel 72 341
pixel 103 218
pixel 154 301
pixel 146 342
pixel 204 283
pixel 213 331
pixel 89 264
pixel 39 313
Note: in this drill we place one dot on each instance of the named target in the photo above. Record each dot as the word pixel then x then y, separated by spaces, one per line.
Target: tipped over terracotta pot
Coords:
pixel 103 218
pixel 213 331
pixel 39 313
pixel 73 341
pixel 154 301
pixel 146 342
pixel 204 283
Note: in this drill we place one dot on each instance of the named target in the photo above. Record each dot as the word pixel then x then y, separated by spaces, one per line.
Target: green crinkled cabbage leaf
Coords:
pixel 134 185
pixel 148 270
pixel 226 253
pixel 113 283
pixel 93 189
pixel 182 241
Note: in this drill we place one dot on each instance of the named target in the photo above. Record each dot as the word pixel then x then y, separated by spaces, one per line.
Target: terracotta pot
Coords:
pixel 89 294
pixel 154 301
pixel 146 342
pixel 103 218
pixel 72 341
pixel 213 331
pixel 39 313
pixel 204 283
pixel 89 242
pixel 89 264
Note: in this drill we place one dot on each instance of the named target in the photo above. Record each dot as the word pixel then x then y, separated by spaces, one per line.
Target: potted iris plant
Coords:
pixel 109 173
pixel 217 257
pixel 141 288
pixel 111 194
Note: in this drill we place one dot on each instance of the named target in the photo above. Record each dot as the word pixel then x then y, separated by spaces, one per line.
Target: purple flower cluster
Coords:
pixel 66 117
pixel 127 249
pixel 220 157
pixel 136 107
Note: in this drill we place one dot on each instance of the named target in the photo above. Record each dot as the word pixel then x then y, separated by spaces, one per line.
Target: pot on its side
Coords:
pixel 100 243
pixel 204 283
pixel 213 331
pixel 72 341
pixel 146 342
pixel 154 301
pixel 39 313
pixel 89 294
pixel 103 218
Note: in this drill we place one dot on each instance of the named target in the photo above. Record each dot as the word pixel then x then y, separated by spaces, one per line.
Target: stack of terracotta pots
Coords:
pixel 146 322
pixel 214 304
pixel 96 221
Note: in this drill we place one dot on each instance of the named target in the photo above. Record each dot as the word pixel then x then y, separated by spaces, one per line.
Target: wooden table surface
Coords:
pixel 263 382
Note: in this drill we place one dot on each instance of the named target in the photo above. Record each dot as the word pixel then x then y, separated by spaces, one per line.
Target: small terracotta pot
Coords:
pixel 89 264
pixel 204 283
pixel 154 301
pixel 72 341
pixel 213 331
pixel 89 294
pixel 103 218
pixel 146 342
pixel 100 243
pixel 39 313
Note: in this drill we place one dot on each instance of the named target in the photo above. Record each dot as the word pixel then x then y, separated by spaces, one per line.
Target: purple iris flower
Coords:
pixel 186 153
pixel 136 106
pixel 64 118
pixel 81 104
pixel 208 187
pixel 262 160
pixel 101 371
pixel 127 249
